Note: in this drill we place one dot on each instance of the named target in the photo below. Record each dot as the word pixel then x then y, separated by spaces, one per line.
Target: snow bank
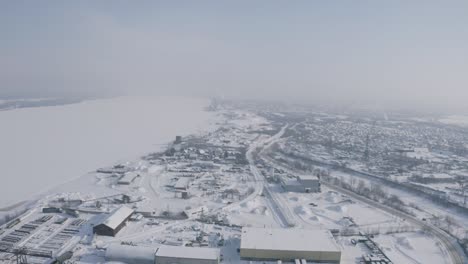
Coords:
pixel 43 147
pixel 337 208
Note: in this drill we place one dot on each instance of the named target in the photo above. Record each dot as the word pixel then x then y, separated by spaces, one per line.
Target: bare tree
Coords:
pixel 352 182
pixel 450 221
pixel 361 187
pixel 378 192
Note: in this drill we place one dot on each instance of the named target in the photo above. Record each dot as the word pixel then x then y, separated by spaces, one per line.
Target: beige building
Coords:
pixel 289 244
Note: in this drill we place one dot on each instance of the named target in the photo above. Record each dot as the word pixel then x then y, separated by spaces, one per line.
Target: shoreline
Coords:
pixel 12 206
pixel 143 137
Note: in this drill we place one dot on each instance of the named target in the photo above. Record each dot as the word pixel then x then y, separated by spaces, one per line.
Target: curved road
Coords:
pixel 454 250
pixel 457 256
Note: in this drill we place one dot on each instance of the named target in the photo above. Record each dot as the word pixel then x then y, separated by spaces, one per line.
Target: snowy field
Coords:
pixel 459 120
pixel 46 146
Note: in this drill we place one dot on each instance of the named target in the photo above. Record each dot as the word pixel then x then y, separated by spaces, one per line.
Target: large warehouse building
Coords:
pixel 187 255
pixel 130 254
pixel 114 222
pixel 289 245
pixel 162 255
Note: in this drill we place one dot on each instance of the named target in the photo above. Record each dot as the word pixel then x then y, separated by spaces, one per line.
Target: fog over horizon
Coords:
pixel 392 54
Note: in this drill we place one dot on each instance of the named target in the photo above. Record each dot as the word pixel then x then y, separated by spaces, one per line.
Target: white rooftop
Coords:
pixel 117 217
pixel 307 177
pixel 128 177
pixel 188 252
pixel 182 183
pixel 288 239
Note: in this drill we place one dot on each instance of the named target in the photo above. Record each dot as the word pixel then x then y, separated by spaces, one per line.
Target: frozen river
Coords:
pixel 45 146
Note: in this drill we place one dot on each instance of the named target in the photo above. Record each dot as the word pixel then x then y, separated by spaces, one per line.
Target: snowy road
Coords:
pixel 259 186
pixel 454 250
pixel 279 213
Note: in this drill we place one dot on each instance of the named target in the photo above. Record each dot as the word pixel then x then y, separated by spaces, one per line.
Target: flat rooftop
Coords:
pixel 288 239
pixel 307 177
pixel 124 252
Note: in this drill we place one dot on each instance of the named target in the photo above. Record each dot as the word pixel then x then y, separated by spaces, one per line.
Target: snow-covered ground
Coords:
pixel 459 120
pixel 44 147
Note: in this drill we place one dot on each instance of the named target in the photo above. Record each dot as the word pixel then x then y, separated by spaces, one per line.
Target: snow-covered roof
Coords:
pixel 288 181
pixel 117 217
pixel 307 177
pixel 288 239
pixel 194 212
pixel 182 183
pixel 130 254
pixel 188 252
pixel 128 177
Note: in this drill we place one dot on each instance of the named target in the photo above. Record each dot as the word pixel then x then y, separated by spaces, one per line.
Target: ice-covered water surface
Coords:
pixel 43 147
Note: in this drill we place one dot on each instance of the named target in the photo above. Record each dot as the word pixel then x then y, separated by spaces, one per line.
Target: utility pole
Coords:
pixel 366 151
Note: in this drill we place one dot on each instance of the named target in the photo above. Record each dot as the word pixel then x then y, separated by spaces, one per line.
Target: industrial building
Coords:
pixel 187 255
pixel 311 183
pixel 128 178
pixel 289 245
pixel 182 183
pixel 161 255
pixel 113 223
pixel 302 183
pixel 130 254
pixel 292 185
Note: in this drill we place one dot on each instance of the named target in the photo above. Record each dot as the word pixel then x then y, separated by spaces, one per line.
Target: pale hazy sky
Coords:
pixel 387 53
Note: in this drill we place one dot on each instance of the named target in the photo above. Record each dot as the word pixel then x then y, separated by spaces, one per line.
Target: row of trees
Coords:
pixel 11 215
pixel 373 191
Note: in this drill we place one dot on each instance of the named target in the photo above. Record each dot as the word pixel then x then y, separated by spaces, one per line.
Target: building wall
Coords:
pixel 172 260
pixel 317 256
pixel 314 185
pixel 293 188
pixel 130 259
pixel 119 227
pixel 103 230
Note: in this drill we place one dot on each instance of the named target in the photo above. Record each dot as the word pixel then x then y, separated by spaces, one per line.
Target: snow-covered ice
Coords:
pixel 46 146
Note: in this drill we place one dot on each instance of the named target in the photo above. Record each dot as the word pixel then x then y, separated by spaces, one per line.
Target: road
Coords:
pixel 261 186
pixel 454 250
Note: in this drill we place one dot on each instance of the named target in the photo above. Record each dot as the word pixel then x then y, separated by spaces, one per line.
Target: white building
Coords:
pixel 187 255
pixel 288 245
pixel 128 178
pixel 182 183
pixel 130 254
